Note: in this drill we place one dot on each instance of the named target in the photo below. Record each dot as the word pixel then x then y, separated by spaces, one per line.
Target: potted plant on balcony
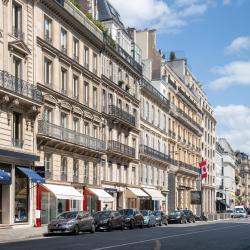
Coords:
pixel 120 83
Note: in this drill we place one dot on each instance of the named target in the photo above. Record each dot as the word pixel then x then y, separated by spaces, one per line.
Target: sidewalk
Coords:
pixel 22 233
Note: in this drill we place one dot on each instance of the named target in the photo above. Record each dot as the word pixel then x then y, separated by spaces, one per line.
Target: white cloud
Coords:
pixel 158 13
pixel 238 44
pixel 234 73
pixel 233 123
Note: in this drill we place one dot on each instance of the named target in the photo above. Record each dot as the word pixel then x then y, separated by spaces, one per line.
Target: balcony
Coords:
pixel 64 49
pixel 154 153
pixel 172 83
pixel 17 143
pixel 19 86
pixel 70 136
pixel 154 92
pixel 76 58
pixel 75 178
pixel 183 94
pixel 77 14
pixel 112 44
pixel 17 33
pixel 184 166
pixel 171 134
pixel 121 114
pixel 121 148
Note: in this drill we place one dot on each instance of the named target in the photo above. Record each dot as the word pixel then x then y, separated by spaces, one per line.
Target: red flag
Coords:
pixel 203 172
pixel 203 163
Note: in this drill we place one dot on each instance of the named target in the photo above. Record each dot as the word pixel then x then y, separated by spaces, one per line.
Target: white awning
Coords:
pixel 155 194
pixel 137 192
pixel 64 192
pixel 101 194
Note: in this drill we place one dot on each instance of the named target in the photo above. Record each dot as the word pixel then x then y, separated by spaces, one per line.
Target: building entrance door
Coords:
pixel 1 204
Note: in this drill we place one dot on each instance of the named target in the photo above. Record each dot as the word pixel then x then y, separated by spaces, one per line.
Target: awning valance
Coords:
pixel 155 194
pixel 138 192
pixel 34 177
pixel 5 177
pixel 64 192
pixel 101 194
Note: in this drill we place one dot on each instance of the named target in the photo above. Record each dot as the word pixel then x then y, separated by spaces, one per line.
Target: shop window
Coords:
pixel 21 197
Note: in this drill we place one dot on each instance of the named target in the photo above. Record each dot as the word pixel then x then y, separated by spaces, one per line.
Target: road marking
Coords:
pixel 166 237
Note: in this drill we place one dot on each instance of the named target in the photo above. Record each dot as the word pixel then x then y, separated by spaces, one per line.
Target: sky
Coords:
pixel 214 36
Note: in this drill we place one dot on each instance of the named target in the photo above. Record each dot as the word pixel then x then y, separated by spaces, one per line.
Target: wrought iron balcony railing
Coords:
pixel 71 136
pixel 120 113
pixel 63 176
pixel 124 54
pixel 19 86
pixel 48 38
pixel 78 14
pixel 64 49
pixel 153 91
pixel 17 33
pixel 154 153
pixel 172 134
pixel 121 148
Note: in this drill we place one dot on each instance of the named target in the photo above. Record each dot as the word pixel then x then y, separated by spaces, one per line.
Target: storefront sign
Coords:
pixel 195 197
pixel 110 190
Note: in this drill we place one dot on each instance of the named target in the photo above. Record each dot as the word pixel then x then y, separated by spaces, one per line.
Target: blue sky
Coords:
pixel 214 36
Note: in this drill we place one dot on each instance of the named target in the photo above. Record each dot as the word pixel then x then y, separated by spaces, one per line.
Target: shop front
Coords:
pixel 96 199
pixel 156 198
pixel 53 199
pixel 137 198
pixel 5 182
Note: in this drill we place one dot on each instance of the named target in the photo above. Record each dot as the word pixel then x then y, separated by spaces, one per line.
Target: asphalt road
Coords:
pixel 227 235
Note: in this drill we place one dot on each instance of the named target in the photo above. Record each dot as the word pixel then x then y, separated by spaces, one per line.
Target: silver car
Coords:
pixel 239 212
pixel 149 218
pixel 72 222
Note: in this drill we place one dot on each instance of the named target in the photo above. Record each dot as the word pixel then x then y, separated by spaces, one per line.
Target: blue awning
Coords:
pixel 35 178
pixel 5 178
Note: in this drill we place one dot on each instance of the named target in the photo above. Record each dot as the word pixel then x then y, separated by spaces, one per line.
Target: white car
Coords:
pixel 239 212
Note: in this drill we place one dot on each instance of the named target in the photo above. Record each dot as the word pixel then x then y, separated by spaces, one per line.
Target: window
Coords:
pixel 86 94
pixel 76 125
pixel 64 168
pixel 63 81
pixel 63 120
pixel 133 178
pixel 75 49
pixel 111 73
pixel 64 41
pixel 86 128
pixel 75 87
pixel 48 162
pixel 85 171
pixel 17 21
pixel 119 74
pixel 104 100
pixel 95 63
pixel 48 115
pixel 86 57
pixel 110 171
pixel 17 68
pixel 153 114
pixel 95 132
pixel 47 29
pixel 95 98
pixel 94 172
pixel 127 107
pixel 147 110
pixel 17 130
pixel 75 167
pixel 159 118
pixel 125 174
pixel 47 71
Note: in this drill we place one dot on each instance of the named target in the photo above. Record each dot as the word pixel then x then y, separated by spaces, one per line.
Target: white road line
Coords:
pixel 166 237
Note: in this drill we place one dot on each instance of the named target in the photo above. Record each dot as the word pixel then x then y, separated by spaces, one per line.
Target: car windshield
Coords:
pixel 144 212
pixel 67 215
pixel 126 212
pixel 239 210
pixel 157 213
pixel 175 213
pixel 101 215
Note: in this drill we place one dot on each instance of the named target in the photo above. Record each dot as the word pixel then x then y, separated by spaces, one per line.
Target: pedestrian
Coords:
pixel 106 207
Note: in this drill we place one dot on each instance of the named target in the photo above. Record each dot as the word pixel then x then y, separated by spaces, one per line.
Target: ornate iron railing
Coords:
pixel 121 148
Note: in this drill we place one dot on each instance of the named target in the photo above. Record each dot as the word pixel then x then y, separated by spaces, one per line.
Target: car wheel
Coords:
pixel 122 226
pixel 76 229
pixel 92 228
pixel 132 224
pixel 160 223
pixel 142 225
pixel 193 220
pixel 110 226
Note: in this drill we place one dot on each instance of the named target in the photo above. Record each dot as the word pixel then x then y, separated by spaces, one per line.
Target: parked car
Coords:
pixel 189 215
pixel 161 218
pixel 230 212
pixel 149 218
pixel 239 212
pixel 177 216
pixel 108 220
pixel 72 222
pixel 132 218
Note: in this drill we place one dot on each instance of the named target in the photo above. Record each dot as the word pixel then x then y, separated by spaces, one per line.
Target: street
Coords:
pixel 223 235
